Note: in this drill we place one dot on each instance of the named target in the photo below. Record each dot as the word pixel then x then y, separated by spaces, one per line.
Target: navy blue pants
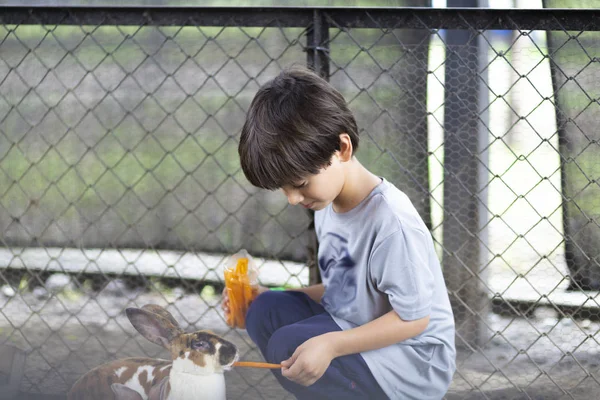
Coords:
pixel 278 322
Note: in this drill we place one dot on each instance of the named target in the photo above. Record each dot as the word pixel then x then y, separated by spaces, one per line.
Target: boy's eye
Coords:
pixel 301 185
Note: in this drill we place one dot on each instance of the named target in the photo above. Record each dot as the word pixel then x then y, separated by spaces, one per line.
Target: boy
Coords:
pixel 380 326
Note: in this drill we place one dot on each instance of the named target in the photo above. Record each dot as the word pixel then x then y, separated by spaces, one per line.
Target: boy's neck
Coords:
pixel 358 184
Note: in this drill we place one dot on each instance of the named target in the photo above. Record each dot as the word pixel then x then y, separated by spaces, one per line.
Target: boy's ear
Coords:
pixel 346 150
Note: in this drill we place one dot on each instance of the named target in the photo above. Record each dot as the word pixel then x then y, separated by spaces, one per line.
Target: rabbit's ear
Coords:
pixel 122 392
pixel 156 309
pixel 160 391
pixel 154 327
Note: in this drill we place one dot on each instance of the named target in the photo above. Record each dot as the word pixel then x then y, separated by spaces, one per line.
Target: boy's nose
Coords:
pixel 294 197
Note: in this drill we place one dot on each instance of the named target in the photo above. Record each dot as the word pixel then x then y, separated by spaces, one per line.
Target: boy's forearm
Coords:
pixel 381 332
pixel 315 292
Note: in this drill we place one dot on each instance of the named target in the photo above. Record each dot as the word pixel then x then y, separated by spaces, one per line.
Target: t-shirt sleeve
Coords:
pixel 399 267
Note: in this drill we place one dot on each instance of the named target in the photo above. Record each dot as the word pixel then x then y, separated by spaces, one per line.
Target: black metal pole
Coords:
pixel 317 58
pixel 317 45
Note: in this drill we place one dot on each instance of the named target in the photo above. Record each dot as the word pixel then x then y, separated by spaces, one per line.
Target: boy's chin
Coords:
pixel 318 207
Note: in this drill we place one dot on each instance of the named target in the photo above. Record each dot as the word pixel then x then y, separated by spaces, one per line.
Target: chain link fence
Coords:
pixel 120 183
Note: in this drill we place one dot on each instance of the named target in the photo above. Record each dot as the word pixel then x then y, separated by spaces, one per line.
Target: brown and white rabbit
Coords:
pixel 195 371
pixel 123 392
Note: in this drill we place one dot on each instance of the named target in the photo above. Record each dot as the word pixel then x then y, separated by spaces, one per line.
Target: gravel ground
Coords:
pixel 67 334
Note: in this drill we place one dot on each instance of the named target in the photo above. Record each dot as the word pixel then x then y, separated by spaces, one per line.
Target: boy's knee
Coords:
pixel 284 342
pixel 263 303
pixel 259 310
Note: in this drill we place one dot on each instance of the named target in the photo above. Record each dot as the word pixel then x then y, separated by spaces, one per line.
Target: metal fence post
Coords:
pixel 461 180
pixel 317 45
pixel 317 58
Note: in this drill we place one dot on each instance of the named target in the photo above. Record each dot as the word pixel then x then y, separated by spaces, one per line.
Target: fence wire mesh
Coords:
pixel 120 183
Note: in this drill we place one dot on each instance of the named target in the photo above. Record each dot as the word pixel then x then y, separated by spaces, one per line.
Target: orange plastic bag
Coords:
pixel 242 287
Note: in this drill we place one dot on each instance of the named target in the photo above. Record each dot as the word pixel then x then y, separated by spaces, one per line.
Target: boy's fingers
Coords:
pixel 289 369
pixel 296 370
pixel 296 376
pixel 286 363
pixel 292 369
pixel 291 373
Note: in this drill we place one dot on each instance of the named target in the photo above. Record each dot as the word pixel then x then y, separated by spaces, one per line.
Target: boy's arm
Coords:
pixel 315 292
pixel 381 332
pixel 311 358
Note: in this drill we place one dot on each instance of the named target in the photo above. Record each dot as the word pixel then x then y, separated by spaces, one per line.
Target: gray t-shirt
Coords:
pixel 377 257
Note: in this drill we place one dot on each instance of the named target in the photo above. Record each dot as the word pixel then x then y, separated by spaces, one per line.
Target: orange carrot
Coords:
pixel 240 291
pixel 253 364
pixel 242 266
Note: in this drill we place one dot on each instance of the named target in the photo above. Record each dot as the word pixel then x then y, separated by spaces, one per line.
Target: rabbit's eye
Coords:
pixel 200 345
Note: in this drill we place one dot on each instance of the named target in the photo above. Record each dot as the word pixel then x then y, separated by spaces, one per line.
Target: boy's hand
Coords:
pixel 309 361
pixel 225 302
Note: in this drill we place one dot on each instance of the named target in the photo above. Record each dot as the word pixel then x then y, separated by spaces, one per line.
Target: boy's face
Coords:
pixel 318 191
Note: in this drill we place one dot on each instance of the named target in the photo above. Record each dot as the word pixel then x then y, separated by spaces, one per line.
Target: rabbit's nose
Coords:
pixel 227 353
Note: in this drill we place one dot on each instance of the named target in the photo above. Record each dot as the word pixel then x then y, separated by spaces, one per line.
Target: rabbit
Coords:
pixel 195 371
pixel 157 392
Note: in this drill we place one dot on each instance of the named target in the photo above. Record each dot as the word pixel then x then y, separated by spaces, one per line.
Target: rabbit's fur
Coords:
pixel 198 360
pixel 157 392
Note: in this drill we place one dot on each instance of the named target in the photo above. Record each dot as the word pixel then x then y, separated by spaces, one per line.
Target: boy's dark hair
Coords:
pixel 292 129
